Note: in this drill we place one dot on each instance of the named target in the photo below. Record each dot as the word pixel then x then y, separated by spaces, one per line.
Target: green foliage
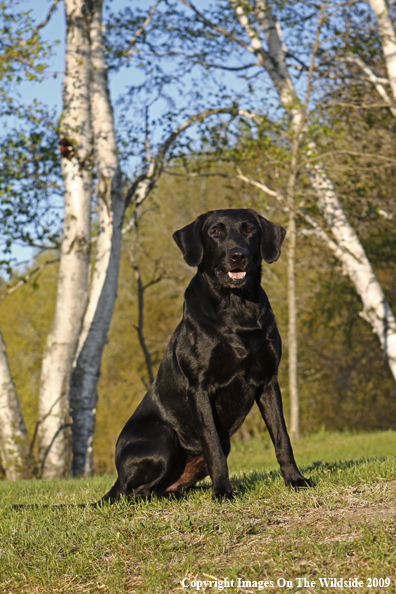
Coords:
pixel 25 321
pixel 30 177
pixel 22 52
pixel 30 184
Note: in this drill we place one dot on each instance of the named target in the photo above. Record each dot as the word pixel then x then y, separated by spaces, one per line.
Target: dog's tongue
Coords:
pixel 237 275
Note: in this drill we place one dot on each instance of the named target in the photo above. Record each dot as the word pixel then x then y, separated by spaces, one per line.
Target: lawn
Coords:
pixel 268 539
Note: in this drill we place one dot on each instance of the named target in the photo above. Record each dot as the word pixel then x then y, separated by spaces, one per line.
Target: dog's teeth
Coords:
pixel 237 275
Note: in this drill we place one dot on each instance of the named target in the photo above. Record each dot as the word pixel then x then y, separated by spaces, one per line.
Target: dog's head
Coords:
pixel 230 244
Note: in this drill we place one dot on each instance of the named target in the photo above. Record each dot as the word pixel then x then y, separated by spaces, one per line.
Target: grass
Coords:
pixel 344 528
pixel 258 453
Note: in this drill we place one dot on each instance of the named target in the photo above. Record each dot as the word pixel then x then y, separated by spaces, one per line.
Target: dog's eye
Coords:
pixel 249 230
pixel 216 231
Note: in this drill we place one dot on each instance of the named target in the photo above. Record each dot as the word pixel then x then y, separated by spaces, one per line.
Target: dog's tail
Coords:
pixel 111 496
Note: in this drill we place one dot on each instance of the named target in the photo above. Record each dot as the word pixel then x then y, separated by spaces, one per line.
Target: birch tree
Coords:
pixel 349 250
pixel 13 438
pixel 110 207
pixel 76 150
pixel 387 35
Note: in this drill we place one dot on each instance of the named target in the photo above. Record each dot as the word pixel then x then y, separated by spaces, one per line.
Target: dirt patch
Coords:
pixel 353 505
pixel 353 514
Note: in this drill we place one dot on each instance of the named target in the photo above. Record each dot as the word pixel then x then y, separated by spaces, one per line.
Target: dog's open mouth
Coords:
pixel 235 277
pixel 237 274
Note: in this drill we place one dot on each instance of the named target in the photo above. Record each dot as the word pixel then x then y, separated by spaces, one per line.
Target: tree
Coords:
pixel 257 33
pixel 110 208
pixel 387 34
pixel 21 56
pixel 76 151
pixel 13 438
pixel 91 97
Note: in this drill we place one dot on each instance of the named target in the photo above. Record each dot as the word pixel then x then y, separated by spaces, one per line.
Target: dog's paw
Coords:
pixel 299 482
pixel 223 494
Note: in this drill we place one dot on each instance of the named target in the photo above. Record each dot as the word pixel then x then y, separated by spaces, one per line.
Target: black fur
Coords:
pixel 222 357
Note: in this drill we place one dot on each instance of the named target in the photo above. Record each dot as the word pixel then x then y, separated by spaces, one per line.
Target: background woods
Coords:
pixel 285 107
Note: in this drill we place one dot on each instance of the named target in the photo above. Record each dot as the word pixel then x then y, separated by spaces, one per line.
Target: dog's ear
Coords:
pixel 272 237
pixel 189 242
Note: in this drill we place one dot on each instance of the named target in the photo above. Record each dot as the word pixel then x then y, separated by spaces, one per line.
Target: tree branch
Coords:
pixel 23 280
pixel 47 18
pixel 209 23
pixel 145 24
pixel 374 79
pixel 321 234
pixel 222 67
pixel 139 326
pixel 256 46
pixel 261 186
pixel 143 185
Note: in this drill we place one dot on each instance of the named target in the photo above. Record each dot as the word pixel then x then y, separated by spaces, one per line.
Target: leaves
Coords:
pixel 30 184
pixel 30 180
pixel 22 53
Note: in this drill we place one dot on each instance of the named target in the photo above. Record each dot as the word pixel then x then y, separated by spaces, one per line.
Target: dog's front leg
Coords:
pixel 213 452
pixel 270 405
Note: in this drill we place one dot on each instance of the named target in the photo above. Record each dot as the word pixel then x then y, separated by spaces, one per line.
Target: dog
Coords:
pixel 223 357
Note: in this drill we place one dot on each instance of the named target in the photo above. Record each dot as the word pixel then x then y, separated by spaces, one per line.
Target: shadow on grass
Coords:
pixel 316 471
pixel 243 483
pixel 336 467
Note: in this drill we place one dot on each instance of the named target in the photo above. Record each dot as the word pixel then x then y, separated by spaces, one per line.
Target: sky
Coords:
pixel 50 90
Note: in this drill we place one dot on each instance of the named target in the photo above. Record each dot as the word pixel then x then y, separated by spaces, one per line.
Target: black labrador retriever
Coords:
pixel 223 356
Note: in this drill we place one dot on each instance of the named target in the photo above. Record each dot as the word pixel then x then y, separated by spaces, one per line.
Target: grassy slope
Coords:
pixel 345 527
pixel 256 454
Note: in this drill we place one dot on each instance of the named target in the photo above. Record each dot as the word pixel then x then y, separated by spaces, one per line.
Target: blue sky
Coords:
pixel 50 90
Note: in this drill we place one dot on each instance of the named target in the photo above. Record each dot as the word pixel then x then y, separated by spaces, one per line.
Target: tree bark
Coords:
pixel 388 39
pixel 13 438
pixel 291 292
pixel 76 150
pixel 292 333
pixel 110 208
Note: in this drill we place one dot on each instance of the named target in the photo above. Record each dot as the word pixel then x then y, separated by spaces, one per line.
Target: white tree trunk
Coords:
pixel 292 332
pixel 13 438
pixel 110 209
pixel 54 423
pixel 388 39
pixel 291 290
pixel 376 309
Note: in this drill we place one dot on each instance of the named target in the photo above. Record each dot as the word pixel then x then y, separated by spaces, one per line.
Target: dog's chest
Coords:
pixel 244 358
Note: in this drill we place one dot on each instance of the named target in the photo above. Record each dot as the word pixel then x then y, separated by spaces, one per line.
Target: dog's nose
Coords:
pixel 238 256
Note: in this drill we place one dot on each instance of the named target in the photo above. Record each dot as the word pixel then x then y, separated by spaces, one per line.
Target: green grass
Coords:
pixel 330 447
pixel 343 528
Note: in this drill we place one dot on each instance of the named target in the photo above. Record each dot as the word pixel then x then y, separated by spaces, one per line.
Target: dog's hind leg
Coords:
pixel 113 495
pixel 146 453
